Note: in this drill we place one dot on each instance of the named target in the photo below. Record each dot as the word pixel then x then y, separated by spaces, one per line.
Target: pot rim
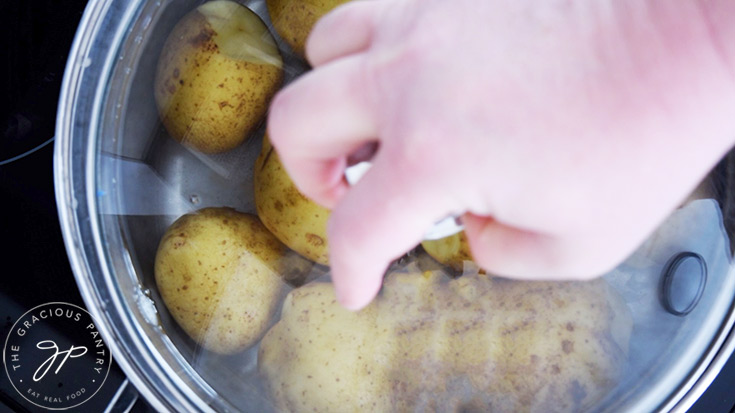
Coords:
pixel 101 31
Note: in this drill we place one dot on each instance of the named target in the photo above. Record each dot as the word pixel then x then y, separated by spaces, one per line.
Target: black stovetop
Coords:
pixel 36 38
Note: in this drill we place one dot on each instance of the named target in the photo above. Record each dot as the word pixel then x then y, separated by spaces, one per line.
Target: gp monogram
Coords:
pixel 55 357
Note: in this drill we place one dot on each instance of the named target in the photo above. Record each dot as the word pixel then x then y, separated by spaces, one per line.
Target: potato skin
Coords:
pixel 294 19
pixel 452 251
pixel 471 344
pixel 218 273
pixel 206 99
pixel 294 219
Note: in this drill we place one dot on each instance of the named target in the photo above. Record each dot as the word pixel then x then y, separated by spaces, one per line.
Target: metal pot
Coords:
pixel 121 181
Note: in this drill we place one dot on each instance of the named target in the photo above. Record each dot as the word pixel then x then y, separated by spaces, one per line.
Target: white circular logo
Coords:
pixel 55 357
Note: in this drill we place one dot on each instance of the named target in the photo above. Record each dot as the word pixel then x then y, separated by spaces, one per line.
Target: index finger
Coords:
pixel 318 121
pixel 382 217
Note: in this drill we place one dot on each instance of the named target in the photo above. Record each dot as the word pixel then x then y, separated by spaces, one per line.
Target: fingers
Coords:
pixel 382 217
pixel 319 120
pixel 516 253
pixel 346 30
pixel 505 250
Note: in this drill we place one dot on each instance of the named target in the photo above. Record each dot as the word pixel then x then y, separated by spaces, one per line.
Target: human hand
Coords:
pixel 565 133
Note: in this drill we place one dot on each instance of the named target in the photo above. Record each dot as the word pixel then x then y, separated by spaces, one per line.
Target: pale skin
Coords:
pixel 565 132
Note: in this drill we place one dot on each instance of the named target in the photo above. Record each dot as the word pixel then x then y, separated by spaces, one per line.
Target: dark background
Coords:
pixel 35 42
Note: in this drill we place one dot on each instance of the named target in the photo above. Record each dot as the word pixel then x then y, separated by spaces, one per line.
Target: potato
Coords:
pixel 293 19
pixel 219 274
pixel 431 344
pixel 297 221
pixel 452 251
pixel 217 72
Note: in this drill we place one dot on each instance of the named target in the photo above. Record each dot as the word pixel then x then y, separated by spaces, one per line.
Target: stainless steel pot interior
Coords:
pixel 121 182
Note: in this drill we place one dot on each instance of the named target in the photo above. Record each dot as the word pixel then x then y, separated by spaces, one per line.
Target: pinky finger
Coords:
pixel 517 253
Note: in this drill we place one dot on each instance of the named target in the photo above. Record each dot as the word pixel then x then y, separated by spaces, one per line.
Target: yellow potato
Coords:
pixel 294 19
pixel 217 72
pixel 452 251
pixel 297 221
pixel 219 274
pixel 429 344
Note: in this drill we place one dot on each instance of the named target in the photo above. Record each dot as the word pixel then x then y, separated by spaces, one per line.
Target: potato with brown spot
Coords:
pixel 216 75
pixel 452 251
pixel 431 343
pixel 297 221
pixel 294 19
pixel 220 274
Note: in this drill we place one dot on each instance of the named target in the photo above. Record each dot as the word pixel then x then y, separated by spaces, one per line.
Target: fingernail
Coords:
pixel 348 301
